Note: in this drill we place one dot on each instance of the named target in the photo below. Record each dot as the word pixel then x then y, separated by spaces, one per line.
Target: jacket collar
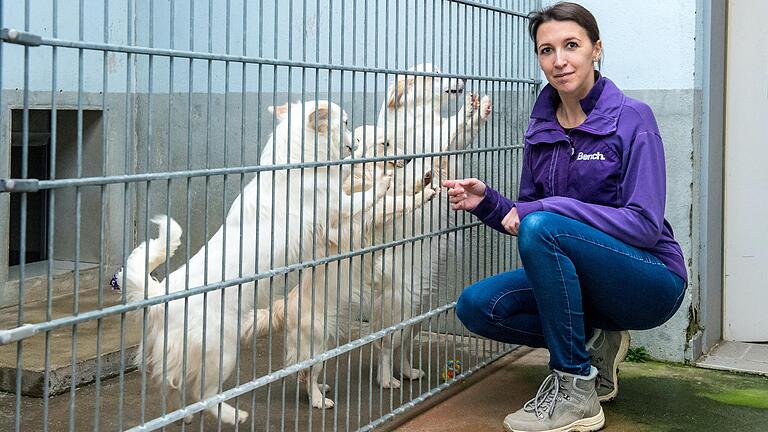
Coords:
pixel 602 105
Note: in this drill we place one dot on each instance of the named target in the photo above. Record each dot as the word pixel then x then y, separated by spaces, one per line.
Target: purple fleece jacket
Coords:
pixel 608 172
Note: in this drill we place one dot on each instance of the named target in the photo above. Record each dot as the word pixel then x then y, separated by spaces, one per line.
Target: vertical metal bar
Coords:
pixel 337 282
pixel 78 203
pixel 51 210
pixel 22 221
pixel 360 261
pixel 148 168
pixel 190 88
pixel 301 197
pixel 223 292
pixel 204 347
pixel 127 210
pixel 286 286
pixel 350 233
pixel 169 137
pixel 272 214
pixel 283 382
pixel 243 87
pixel 272 221
pixel 258 228
pixel 314 278
pixel 327 202
pixel 102 212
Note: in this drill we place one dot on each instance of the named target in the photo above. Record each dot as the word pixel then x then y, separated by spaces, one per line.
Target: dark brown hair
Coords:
pixel 564 11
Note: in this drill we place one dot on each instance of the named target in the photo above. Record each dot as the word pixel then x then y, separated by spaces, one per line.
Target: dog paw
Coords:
pixel 427 178
pixel 233 416
pixel 471 104
pixel 188 419
pixel 324 388
pixel 242 416
pixel 384 182
pixel 390 383
pixel 486 107
pixel 430 192
pixel 413 373
pixel 323 403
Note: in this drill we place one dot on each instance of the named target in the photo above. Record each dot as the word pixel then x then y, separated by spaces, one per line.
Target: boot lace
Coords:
pixel 550 392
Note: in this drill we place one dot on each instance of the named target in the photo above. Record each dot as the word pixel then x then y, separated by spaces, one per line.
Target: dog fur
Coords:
pixel 249 238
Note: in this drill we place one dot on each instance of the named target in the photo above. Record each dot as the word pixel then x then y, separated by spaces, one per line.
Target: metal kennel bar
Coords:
pixel 114 112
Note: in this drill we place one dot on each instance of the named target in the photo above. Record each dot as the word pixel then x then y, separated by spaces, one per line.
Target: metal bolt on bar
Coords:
pixel 19 37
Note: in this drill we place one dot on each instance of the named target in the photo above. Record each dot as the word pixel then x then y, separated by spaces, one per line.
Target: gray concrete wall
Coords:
pixel 674 111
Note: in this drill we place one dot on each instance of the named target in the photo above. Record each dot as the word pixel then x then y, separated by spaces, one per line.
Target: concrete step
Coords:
pixel 62 281
pixel 92 341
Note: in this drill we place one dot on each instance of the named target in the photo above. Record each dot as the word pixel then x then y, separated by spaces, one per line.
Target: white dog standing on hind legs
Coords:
pixel 304 321
pixel 411 117
pixel 318 133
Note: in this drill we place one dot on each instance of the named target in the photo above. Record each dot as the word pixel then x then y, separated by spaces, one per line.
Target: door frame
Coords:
pixel 705 328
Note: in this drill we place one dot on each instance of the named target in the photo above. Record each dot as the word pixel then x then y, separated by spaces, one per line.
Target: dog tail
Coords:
pixel 135 271
pixel 261 326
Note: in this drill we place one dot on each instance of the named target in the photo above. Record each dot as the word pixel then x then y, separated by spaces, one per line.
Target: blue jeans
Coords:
pixel 574 279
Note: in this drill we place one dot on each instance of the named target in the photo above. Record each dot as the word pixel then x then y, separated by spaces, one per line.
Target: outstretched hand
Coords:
pixel 465 194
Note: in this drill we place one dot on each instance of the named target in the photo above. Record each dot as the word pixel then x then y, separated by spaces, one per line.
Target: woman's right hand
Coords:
pixel 465 194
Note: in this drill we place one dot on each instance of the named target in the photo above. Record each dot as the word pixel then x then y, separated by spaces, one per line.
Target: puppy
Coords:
pixel 411 115
pixel 311 319
pixel 261 232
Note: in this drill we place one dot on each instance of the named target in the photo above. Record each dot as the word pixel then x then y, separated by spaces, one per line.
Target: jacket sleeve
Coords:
pixel 639 222
pixel 495 206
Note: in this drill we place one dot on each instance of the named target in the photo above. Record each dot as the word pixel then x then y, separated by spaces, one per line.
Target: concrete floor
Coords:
pixel 281 406
pixel 654 397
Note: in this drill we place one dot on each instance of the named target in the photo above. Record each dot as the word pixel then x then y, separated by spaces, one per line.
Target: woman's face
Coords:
pixel 566 55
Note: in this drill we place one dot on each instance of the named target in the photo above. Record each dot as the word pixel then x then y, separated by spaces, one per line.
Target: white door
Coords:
pixel 745 309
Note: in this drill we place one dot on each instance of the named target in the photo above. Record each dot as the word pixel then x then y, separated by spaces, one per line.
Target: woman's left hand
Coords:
pixel 511 222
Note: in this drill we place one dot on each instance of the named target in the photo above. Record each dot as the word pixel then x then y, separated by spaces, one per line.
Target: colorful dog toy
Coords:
pixel 451 370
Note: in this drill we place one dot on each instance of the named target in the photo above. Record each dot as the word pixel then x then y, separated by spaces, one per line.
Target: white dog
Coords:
pixel 263 230
pixel 320 305
pixel 411 115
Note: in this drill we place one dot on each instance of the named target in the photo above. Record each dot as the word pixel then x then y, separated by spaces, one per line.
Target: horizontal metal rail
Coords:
pixel 424 396
pixel 28 330
pixel 288 370
pixel 491 8
pixel 231 58
pixel 34 185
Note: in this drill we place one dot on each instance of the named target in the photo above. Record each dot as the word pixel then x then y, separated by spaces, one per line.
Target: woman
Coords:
pixel 598 256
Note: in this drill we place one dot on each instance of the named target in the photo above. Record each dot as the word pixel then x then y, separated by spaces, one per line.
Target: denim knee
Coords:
pixel 533 228
pixel 470 310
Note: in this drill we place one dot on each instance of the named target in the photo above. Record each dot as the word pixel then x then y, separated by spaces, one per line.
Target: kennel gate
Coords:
pixel 112 112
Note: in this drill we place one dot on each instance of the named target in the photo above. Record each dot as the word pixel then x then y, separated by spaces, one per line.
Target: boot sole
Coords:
pixel 582 425
pixel 621 355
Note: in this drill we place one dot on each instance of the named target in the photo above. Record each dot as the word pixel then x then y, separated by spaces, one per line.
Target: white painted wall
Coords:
pixel 648 44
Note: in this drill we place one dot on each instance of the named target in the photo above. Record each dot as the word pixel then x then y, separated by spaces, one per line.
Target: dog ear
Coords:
pixel 318 119
pixel 396 95
pixel 280 112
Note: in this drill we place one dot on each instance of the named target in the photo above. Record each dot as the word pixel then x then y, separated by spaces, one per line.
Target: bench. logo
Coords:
pixel 590 156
